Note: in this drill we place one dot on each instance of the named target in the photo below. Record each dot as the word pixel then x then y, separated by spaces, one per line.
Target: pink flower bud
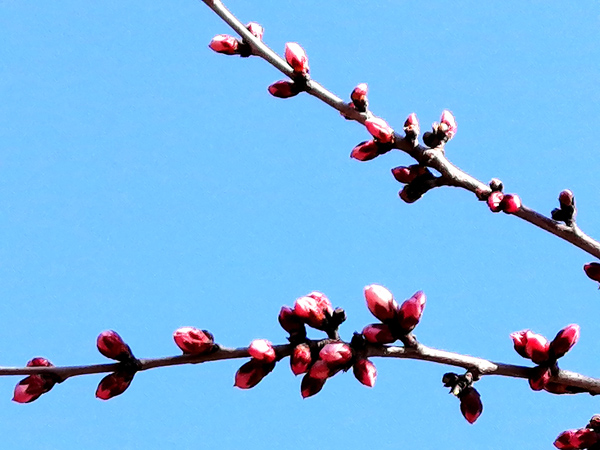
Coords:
pixel 111 345
pixel 365 372
pixel 380 129
pixel 193 341
pixel 510 203
pixel 290 322
pixel 262 350
pixel 411 311
pixel 313 309
pixel 519 341
pixel 225 44
pixel 403 174
pixel 33 386
pixel 113 385
pixel 335 354
pixel 565 198
pixel 592 270
pixel 365 151
pixel 470 404
pixel 539 378
pixel 448 122
pixel 311 386
pixel 39 362
pixel 359 94
pixel 283 89
pixel 411 125
pixel 256 30
pixel 251 373
pixel 300 359
pixel 381 302
pixel 576 439
pixel 531 345
pixel 494 201
pixel 319 370
pixel 378 333
pixel 564 340
pixel 296 57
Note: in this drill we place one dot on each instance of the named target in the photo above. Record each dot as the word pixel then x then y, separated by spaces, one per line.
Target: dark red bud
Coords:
pixel 470 404
pixel 113 385
pixel 592 270
pixel 111 345
pixel 311 386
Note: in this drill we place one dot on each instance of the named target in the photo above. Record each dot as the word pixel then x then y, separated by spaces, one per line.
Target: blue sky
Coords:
pixel 147 183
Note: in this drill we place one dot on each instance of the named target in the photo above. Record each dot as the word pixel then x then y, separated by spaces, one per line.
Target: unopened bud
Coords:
pixel 411 125
pixel 380 129
pixel 365 151
pixel 365 372
pixel 111 345
pixel 251 373
pixel 510 203
pixel 290 322
pixel 283 89
pixel 592 270
pixel 256 30
pixel 539 378
pixel 296 57
pixel 470 404
pixel 448 124
pixel 193 341
pixel 494 201
pixel 378 333
pixel 225 44
pixel 564 340
pixel 320 370
pixel 411 311
pixel 113 385
pixel 380 302
pixel 262 350
pixel 335 354
pixel 496 185
pixel 300 359
pixel 311 386
pixel 566 198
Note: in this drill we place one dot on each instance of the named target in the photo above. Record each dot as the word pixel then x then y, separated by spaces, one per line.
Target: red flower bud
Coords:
pixel 311 386
pixel 403 174
pixel 193 341
pixel 365 151
pixel 113 385
pixel 380 129
pixel 576 439
pixel 365 372
pixel 290 322
pixel 510 203
pixel 320 370
pixel 531 345
pixel 359 94
pixel 39 362
pixel 592 270
pixel 470 404
pixel 335 354
pixel 225 44
pixel 539 378
pixel 313 309
pixel 519 341
pixel 378 333
pixel 256 30
pixel 262 350
pixel 448 124
pixel 283 89
pixel 111 345
pixel 300 359
pixel 412 124
pixel 564 340
pixel 411 311
pixel 494 201
pixel 380 302
pixel 407 196
pixel 566 198
pixel 296 57
pixel 251 373
pixel 33 386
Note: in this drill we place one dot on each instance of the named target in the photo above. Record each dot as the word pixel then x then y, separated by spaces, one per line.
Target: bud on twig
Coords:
pixel 296 57
pixel 193 341
pixel 311 386
pixel 33 386
pixel 470 404
pixel 252 373
pixel 300 359
pixel 380 129
pixel 411 311
pixel 378 333
pixel 114 384
pixel 592 270
pixel 256 30
pixel 284 89
pixel 359 97
pixel 223 43
pixel 262 350
pixel 564 340
pixel 111 345
pixel 380 302
pixel 365 372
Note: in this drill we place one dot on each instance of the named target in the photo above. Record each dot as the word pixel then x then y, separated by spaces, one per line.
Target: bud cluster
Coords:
pixel 111 345
pixel 461 386
pixel 498 201
pixel 262 363
pixel 397 321
pixel 296 57
pixel 545 354
pixel 418 179
pixel 581 438
pixel 441 132
pixel 229 45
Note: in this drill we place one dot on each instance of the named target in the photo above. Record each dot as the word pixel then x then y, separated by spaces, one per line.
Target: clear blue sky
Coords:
pixel 147 183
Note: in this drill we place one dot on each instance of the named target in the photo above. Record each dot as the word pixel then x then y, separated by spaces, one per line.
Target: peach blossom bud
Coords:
pixel 470 404
pixel 531 345
pixel 290 322
pixel 111 345
pixel 335 354
pixel 300 359
pixel 576 439
pixel 296 57
pixel 403 174
pixel 256 30
pixel 365 151
pixel 519 341
pixel 592 270
pixel 313 309
pixel 378 333
pixel 566 198
pixel 251 373
pixel 39 362
pixel 365 372
pixel 381 302
pixel 311 386
pixel 564 340
pixel 223 43
pixel 262 350
pixel 411 311
pixel 359 94
pixel 33 386
pixel 407 196
pixel 380 129
pixel 494 201
pixel 539 378
pixel 319 370
pixel 448 123
pixel 510 203
pixel 113 385
pixel 283 89
pixel 193 341
pixel 411 125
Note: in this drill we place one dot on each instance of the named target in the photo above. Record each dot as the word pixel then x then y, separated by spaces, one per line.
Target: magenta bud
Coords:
pixel 31 388
pixel 448 124
pixel 335 354
pixel 311 386
pixel 313 309
pixel 380 129
pixel 262 350
pixel 111 345
pixel 380 302
pixel 225 44
pixel 566 198
pixel 539 378
pixel 296 57
pixel 283 89
pixel 378 333
pixel 411 311
pixel 403 174
pixel 365 151
pixel 365 372
pixel 576 439
pixel 320 370
pixel 290 322
pixel 564 340
pixel 113 385
pixel 39 362
pixel 592 270
pixel 252 373
pixel 411 125
pixel 531 345
pixel 494 201
pixel 256 30
pixel 300 359
pixel 359 94
pixel 470 404
pixel 193 341
pixel 510 203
